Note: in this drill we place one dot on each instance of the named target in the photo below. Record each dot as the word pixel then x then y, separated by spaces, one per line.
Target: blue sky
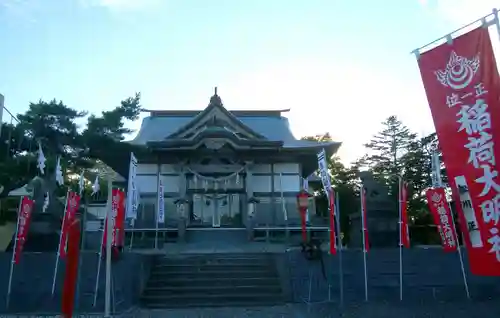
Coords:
pixel 341 65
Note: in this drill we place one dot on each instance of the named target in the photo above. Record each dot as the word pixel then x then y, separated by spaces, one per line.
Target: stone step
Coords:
pixel 214 256
pixel 211 290
pixel 212 280
pixel 221 281
pixel 216 274
pixel 210 300
pixel 215 260
pixel 210 303
pixel 188 268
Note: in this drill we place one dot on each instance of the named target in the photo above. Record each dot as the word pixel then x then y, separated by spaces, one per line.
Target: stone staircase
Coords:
pixel 213 280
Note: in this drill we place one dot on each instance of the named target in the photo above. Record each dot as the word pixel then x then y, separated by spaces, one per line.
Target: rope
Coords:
pixel 223 178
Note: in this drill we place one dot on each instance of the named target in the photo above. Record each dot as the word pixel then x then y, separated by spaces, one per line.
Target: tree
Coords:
pixel 53 125
pixel 386 148
pixel 345 184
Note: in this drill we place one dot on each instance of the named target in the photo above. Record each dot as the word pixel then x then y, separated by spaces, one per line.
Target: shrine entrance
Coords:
pixel 216 210
pixel 217 192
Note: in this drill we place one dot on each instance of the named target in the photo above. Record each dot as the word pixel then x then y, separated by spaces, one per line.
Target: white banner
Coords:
pixel 132 191
pixel 161 203
pixel 305 187
pixel 323 172
pixel 436 171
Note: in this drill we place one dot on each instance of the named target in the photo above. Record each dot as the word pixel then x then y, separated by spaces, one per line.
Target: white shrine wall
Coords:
pixel 290 177
pixel 146 178
pixel 268 211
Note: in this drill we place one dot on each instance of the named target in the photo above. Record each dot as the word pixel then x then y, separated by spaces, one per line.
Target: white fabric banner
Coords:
pixel 161 203
pixel 132 191
pixel 436 171
pixel 305 186
pixel 323 172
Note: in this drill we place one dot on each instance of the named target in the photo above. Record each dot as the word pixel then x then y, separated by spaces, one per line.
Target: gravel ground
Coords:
pixel 473 309
pixel 369 310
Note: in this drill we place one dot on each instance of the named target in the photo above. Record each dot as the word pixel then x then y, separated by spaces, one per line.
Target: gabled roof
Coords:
pixel 215 112
pixel 270 125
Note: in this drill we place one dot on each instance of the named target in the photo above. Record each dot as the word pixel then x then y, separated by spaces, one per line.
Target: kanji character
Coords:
pixel 491 210
pixel 494 240
pixel 475 118
pixel 453 100
pixel 466 95
pixel 481 149
pixel 488 180
pixel 480 89
pixel 472 226
pixel 444 219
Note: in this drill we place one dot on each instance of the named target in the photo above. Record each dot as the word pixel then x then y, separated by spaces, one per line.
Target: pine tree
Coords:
pixel 387 147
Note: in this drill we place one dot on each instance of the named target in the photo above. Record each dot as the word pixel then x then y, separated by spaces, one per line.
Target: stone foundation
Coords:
pixel 32 283
pixel 429 275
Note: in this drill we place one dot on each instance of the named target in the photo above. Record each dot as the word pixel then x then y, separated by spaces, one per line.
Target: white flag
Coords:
pixel 46 203
pixel 323 171
pixel 59 174
pixel 161 203
pixel 41 159
pixel 95 186
pixel 132 191
pixel 436 171
pixel 81 182
pixel 305 186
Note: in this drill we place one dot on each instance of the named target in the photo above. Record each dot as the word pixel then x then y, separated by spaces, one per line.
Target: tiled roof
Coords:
pixel 274 128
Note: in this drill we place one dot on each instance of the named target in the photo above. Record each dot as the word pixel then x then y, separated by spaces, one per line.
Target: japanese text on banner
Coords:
pixel 442 218
pixel 23 226
pixel 461 81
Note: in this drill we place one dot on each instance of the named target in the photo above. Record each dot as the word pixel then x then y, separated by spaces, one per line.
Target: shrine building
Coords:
pixel 222 169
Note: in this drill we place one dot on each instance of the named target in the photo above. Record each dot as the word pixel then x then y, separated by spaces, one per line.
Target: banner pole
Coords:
pixel 416 51
pixel 109 238
pixel 362 197
pixel 60 242
pixel 82 246
pixel 99 261
pixel 464 275
pixel 11 273
pixel 400 187
pixel 496 21
pixel 339 240
pixel 157 205
pixel 132 224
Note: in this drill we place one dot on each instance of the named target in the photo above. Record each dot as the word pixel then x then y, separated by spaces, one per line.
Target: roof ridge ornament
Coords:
pixel 215 99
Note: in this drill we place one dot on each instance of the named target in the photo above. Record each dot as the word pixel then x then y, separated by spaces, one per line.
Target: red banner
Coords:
pixel 23 225
pixel 117 218
pixel 441 214
pixel 72 204
pixel 333 242
pixel 403 201
pixel 71 273
pixel 120 219
pixel 462 86
pixel 363 219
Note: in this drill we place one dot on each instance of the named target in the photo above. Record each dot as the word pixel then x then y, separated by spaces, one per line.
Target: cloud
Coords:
pixel 123 5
